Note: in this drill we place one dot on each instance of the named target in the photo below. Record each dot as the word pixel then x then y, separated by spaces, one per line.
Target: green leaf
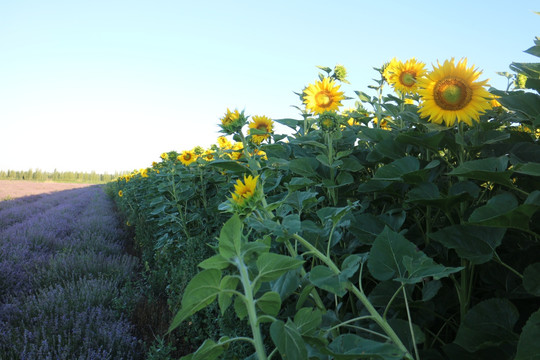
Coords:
pixel 398 168
pixel 430 140
pixel 487 324
pixel 269 303
pixel 301 199
pixel 531 279
pixel 308 320
pixel 351 264
pixel 230 238
pixel 428 194
pixel 366 227
pixel 304 166
pixel 474 243
pixel 199 293
pixel 324 278
pixel 394 257
pixel 534 50
pixel 532 169
pixel 522 102
pixel 503 211
pixel 209 350
pixel 528 69
pixel 351 347
pixel 286 284
pixel 387 252
pixel 528 345
pixel 489 169
pixel 292 123
pixel 288 340
pixel 225 298
pixel 230 165
pixel 215 262
pixel 423 267
pixel 240 308
pixel 271 266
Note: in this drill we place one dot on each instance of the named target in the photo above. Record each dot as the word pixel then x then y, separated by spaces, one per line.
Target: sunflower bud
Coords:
pixel 232 122
pixel 340 73
pixel 329 121
pixel 520 81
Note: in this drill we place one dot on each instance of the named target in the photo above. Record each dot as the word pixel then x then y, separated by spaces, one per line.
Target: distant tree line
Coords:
pixel 59 176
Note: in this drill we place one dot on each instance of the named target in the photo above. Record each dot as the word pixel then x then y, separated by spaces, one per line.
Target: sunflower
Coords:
pixel 323 96
pixel 165 156
pixel 232 122
pixel 209 155
pixel 187 157
pixel 237 152
pixel 388 68
pixel 144 172
pixel 120 193
pixel 262 123
pixel 384 123
pixel 451 93
pixel 403 76
pixel 244 191
pixel 224 143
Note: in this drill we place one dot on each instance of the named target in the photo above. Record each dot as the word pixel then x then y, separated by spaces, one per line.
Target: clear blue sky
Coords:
pixel 110 85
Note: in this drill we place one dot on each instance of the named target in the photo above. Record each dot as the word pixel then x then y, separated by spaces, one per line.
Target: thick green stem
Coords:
pixel 360 295
pixel 252 312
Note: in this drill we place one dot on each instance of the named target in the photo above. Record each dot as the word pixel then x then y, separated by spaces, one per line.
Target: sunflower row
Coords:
pixel 451 93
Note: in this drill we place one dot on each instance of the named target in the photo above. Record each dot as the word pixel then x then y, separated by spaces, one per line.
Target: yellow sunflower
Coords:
pixel 450 94
pixel 187 157
pixel 120 193
pixel 165 156
pixel 237 150
pixel 144 172
pixel 209 155
pixel 384 123
pixel 244 191
pixel 388 68
pixel 262 123
pixel 224 143
pixel 232 122
pixel 323 96
pixel 403 76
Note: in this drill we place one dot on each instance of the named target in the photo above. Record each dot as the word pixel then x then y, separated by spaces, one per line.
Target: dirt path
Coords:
pixel 11 189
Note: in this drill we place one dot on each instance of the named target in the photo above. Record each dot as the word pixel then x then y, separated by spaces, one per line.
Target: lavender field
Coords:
pixel 65 279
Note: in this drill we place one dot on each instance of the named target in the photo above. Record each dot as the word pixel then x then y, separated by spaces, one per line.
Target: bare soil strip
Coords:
pixel 11 189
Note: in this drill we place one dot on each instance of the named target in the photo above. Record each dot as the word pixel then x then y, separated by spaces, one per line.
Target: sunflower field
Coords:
pixel 407 227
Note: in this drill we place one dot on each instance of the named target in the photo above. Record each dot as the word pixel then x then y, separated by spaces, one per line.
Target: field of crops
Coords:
pixel 64 278
pixel 406 227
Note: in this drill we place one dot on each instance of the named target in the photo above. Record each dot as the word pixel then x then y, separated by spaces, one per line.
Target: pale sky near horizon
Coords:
pixel 110 85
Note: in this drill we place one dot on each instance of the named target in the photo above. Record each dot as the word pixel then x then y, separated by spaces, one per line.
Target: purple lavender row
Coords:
pixel 66 283
pixel 16 210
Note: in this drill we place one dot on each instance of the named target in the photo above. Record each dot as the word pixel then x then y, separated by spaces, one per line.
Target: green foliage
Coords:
pixel 410 242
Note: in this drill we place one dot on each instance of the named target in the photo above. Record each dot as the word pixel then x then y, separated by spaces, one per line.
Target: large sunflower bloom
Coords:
pixel 262 123
pixel 187 157
pixel 450 94
pixel 323 96
pixel 403 76
pixel 244 191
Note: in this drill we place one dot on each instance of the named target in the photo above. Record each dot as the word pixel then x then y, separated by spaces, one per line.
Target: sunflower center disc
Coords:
pixel 323 99
pixel 452 94
pixel 261 127
pixel 407 78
